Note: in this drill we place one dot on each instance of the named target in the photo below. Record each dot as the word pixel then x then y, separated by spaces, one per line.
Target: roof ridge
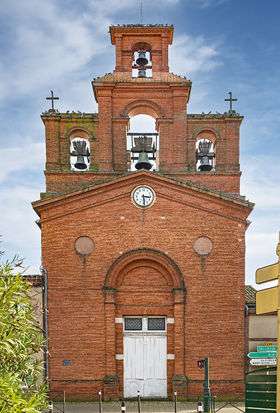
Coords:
pixel 186 183
pixel 127 76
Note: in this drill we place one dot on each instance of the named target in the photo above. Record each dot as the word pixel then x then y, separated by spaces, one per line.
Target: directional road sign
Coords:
pixel 267 300
pixel 264 362
pixel 268 273
pixel 266 348
pixel 262 354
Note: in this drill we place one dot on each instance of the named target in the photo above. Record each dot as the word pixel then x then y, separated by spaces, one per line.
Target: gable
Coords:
pixel 171 195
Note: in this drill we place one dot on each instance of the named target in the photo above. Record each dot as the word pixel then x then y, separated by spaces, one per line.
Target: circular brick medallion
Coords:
pixel 84 245
pixel 203 246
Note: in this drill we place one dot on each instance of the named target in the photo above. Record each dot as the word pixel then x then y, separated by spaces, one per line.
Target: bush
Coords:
pixel 20 342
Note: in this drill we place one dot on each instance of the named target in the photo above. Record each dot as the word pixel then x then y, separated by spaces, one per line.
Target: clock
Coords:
pixel 143 196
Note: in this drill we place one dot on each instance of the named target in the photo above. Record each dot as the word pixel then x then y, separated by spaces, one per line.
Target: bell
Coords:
pixel 80 150
pixel 142 73
pixel 142 60
pixel 204 148
pixel 205 164
pixel 143 162
pixel 80 164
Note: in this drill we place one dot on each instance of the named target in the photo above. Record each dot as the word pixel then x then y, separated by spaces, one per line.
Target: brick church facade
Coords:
pixel 145 267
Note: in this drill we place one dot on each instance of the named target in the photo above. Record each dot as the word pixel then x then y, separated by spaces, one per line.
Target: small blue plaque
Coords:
pixel 66 362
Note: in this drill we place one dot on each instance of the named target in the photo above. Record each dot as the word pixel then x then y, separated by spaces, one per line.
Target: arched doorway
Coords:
pixel 144 305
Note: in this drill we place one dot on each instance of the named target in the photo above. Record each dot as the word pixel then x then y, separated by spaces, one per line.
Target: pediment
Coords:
pixel 175 193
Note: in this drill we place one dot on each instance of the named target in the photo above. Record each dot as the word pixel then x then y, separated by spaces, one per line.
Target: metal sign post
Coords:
pixel 206 393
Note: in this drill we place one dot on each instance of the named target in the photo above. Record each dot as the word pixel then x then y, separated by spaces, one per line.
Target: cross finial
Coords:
pixel 230 100
pixel 52 98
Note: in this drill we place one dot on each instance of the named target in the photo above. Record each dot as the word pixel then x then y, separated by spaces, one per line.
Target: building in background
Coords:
pixel 262 329
pixel 143 235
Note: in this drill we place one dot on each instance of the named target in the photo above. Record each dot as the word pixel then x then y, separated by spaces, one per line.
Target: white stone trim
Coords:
pixel 170 356
pixel 118 320
pixel 119 356
pixel 170 321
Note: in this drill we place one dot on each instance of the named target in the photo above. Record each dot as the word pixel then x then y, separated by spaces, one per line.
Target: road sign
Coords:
pixel 268 273
pixel 264 362
pixel 267 300
pixel 266 348
pixel 262 354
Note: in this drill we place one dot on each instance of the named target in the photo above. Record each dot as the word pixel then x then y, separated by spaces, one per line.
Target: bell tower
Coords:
pixel 136 87
pixel 83 147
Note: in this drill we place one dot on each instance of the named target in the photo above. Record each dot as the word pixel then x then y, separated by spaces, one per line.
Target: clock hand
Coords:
pixel 145 196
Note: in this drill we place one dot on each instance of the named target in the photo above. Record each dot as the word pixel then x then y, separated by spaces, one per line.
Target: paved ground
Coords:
pixel 146 407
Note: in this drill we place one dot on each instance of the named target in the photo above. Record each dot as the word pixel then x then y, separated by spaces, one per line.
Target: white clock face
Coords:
pixel 143 196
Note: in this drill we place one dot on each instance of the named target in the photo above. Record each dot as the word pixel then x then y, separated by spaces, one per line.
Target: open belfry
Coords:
pixel 143 235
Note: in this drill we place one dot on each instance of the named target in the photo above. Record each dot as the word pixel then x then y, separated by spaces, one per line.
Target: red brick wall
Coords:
pixel 213 314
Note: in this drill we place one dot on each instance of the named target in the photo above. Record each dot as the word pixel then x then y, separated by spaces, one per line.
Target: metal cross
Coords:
pixel 230 100
pixel 52 98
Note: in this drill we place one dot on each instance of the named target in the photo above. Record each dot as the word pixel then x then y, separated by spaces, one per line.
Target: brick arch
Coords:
pixel 143 107
pixel 141 46
pixel 84 133
pixel 153 258
pixel 207 133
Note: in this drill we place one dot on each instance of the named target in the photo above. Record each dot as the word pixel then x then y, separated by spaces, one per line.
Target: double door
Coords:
pixel 145 361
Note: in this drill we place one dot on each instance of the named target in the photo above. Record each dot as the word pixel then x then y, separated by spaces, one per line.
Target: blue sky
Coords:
pixel 221 45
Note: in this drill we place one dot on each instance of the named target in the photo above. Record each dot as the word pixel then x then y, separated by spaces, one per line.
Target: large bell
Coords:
pixel 80 164
pixel 141 60
pixel 142 73
pixel 204 148
pixel 205 164
pixel 143 162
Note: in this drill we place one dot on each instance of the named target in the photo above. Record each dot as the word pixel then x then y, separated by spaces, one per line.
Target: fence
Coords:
pixel 260 394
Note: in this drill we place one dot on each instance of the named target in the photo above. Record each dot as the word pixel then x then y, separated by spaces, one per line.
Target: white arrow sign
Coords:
pixel 264 362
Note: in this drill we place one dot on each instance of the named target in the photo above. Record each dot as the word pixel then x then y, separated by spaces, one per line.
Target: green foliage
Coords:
pixel 20 343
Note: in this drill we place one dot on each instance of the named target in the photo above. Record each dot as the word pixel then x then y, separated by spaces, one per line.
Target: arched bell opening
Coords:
pixel 79 153
pixel 143 143
pixel 205 152
pixel 142 60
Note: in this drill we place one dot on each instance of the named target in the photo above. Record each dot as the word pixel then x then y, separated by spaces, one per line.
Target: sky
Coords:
pixel 221 45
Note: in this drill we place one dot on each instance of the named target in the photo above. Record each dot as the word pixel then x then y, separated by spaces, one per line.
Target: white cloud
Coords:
pixel 52 42
pixel 18 229
pixel 46 45
pixel 212 3
pixel 260 251
pixel 260 182
pixel 29 157
pixel 192 54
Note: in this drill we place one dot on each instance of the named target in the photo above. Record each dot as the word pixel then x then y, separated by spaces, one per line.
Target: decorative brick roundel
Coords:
pixel 84 245
pixel 203 246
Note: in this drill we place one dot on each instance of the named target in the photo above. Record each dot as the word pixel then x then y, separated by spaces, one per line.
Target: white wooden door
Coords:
pixel 145 365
